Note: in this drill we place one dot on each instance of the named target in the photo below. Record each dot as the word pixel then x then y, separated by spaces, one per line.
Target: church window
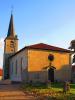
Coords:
pixel 16 68
pixel 21 64
pixel 12 68
pixel 12 50
pixel 12 41
pixel 12 45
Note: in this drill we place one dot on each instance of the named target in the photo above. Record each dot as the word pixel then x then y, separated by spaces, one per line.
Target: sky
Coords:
pixel 46 21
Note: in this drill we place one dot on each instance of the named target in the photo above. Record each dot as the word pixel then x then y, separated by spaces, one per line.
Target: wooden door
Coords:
pixel 51 74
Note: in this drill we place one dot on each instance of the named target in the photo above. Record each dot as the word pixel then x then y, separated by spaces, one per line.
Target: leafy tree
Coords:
pixel 74 59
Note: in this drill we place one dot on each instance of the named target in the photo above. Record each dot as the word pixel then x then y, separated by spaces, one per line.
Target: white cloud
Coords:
pixel 1 60
pixel 1 43
pixel 1 51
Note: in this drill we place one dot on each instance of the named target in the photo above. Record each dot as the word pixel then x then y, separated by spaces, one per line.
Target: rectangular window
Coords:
pixel 16 68
pixel 12 68
pixel 21 64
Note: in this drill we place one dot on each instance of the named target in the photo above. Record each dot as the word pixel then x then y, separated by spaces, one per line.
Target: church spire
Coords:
pixel 11 32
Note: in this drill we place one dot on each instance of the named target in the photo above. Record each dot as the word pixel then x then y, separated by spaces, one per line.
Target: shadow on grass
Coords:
pixel 54 92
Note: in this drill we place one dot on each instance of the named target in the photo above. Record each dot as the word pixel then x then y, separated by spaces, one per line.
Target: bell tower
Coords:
pixel 10 47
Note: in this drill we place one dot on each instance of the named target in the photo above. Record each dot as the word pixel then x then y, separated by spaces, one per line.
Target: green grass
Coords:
pixel 55 92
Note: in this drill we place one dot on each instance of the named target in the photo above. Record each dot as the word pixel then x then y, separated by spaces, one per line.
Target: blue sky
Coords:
pixel 47 21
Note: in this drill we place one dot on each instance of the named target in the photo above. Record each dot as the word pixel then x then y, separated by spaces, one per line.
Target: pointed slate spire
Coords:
pixel 11 32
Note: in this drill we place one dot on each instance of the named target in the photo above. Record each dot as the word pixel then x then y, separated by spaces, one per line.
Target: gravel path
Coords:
pixel 13 92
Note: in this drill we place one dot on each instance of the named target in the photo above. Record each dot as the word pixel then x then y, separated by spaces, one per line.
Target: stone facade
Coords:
pixel 19 63
pixel 11 45
pixel 31 64
pixel 38 60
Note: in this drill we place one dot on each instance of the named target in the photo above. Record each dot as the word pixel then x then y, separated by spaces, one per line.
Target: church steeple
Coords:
pixel 11 32
pixel 10 47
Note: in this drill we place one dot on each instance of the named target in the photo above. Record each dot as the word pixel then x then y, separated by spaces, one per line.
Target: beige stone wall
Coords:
pixel 38 76
pixel 10 49
pixel 34 62
pixel 38 60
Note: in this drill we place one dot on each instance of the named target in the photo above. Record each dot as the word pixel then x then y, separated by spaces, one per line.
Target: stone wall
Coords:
pixel 22 63
pixel 38 60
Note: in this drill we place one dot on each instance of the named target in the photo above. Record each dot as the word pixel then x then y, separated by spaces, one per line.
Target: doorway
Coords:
pixel 51 74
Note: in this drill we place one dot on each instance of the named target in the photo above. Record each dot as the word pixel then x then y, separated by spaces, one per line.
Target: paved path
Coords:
pixel 13 92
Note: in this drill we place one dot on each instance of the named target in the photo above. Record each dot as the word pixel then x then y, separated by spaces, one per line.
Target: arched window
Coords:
pixel 21 64
pixel 11 68
pixel 16 68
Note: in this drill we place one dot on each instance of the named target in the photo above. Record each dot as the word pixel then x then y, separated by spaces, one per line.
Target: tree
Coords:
pixel 74 59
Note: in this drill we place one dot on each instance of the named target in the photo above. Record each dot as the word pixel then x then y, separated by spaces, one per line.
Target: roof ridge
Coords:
pixel 43 47
pixel 47 45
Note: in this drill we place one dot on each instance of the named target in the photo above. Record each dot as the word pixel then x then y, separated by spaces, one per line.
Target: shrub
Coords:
pixel 66 87
pixel 49 84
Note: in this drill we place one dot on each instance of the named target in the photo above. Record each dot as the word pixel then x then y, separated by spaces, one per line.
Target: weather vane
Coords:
pixel 12 9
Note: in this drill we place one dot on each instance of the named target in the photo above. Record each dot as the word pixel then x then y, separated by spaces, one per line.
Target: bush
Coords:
pixel 66 87
pixel 49 84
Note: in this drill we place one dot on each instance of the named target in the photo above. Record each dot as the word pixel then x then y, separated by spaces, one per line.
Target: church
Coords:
pixel 34 63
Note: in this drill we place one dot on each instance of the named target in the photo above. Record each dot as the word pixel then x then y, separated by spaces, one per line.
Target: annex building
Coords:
pixel 32 63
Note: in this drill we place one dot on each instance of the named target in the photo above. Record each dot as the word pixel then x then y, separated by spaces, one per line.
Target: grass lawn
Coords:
pixel 53 92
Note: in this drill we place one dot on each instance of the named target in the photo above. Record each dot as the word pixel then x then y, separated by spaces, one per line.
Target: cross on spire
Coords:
pixel 12 8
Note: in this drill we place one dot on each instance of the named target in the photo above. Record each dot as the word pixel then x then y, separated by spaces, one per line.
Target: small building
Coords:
pixel 1 74
pixel 32 64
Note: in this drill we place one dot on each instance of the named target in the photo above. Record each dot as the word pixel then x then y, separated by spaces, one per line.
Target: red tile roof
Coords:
pixel 1 72
pixel 47 47
pixel 42 46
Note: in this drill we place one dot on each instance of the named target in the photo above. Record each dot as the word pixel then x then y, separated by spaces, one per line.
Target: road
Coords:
pixel 10 91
